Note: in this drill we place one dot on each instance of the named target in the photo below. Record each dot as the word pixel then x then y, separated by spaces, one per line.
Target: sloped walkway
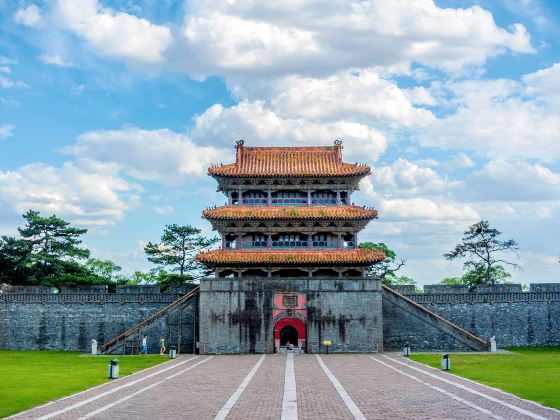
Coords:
pixel 291 386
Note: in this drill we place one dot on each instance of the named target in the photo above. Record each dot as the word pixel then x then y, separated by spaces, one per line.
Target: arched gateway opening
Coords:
pixel 290 331
pixel 288 336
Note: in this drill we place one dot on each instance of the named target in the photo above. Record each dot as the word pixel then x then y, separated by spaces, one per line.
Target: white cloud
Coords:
pixel 9 84
pixel 115 34
pixel 313 38
pixel 90 196
pixel 166 209
pixel 544 83
pixel 436 209
pixel 261 126
pixel 515 181
pixel 5 69
pixel 79 89
pixel 358 96
pixel 6 61
pixel 54 59
pixel 493 119
pixel 28 16
pixel 157 155
pixel 6 130
pixel 419 95
pixel 404 178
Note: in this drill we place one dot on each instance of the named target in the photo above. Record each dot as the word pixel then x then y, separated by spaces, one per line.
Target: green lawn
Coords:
pixel 30 378
pixel 531 373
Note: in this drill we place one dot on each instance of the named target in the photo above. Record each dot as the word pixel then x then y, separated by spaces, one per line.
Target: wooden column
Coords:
pixel 269 197
pixel 308 197
pixel 269 241
pixel 223 241
pixel 338 197
pixel 309 240
pixel 339 240
pixel 230 200
pixel 239 245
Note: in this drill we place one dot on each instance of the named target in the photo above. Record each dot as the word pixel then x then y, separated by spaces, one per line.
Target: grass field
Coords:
pixel 30 378
pixel 531 373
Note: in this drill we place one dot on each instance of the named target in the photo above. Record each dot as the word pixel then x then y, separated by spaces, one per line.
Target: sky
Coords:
pixel 112 111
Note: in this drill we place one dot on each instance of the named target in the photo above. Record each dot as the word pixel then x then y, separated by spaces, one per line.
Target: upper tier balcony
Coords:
pixel 288 198
pixel 289 241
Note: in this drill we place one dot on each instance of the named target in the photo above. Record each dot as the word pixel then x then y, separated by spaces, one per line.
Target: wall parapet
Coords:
pixel 471 298
pixel 83 298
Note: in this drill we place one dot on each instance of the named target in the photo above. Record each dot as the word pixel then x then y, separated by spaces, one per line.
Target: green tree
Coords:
pixel 15 262
pixel 453 281
pixel 177 251
pixel 482 247
pixel 394 280
pixel 48 252
pixel 385 270
pixel 104 269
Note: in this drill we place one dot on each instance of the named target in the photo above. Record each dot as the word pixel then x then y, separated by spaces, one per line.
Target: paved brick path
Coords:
pixel 376 386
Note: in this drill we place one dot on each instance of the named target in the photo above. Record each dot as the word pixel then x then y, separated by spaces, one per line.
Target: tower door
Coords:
pixel 288 336
pixel 290 331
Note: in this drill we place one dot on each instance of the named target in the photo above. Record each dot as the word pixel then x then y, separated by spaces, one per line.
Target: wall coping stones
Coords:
pixel 544 287
pixel 139 288
pixel 83 298
pixel 439 288
pixel 93 288
pixel 7 288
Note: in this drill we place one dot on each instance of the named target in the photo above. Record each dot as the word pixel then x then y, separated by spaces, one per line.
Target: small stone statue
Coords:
pixel 493 348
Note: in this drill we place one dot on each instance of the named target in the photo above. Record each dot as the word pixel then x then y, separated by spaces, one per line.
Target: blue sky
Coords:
pixel 111 111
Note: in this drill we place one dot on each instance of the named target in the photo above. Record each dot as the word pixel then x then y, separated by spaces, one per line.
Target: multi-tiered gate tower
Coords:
pixel 289 270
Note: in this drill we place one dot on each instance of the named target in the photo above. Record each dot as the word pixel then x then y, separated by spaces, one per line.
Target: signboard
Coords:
pixel 327 342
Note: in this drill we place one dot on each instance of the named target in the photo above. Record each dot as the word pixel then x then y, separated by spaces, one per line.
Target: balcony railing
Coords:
pixel 289 201
pixel 330 244
pixel 255 201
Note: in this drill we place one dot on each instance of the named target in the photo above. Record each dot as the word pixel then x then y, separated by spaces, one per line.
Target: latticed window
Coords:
pixel 289 301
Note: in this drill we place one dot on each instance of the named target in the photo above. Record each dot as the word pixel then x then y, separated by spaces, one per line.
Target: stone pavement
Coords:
pixel 340 386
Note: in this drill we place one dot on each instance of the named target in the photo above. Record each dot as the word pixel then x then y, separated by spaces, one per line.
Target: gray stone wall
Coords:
pixel 515 318
pixel 401 327
pixel 236 314
pixel 58 321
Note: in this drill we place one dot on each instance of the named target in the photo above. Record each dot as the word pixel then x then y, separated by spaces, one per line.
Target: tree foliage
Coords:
pixel 483 249
pixel 177 250
pixel 48 252
pixel 476 276
pixel 385 270
pixel 104 269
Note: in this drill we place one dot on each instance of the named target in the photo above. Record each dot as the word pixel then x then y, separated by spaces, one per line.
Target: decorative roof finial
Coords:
pixel 240 143
pixel 337 142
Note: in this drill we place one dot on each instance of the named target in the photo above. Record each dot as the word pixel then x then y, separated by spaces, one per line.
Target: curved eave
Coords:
pixel 290 257
pixel 290 213
pixel 229 171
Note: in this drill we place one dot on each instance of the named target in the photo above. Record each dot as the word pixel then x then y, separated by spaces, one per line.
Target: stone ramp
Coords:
pixel 129 342
pixel 416 318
